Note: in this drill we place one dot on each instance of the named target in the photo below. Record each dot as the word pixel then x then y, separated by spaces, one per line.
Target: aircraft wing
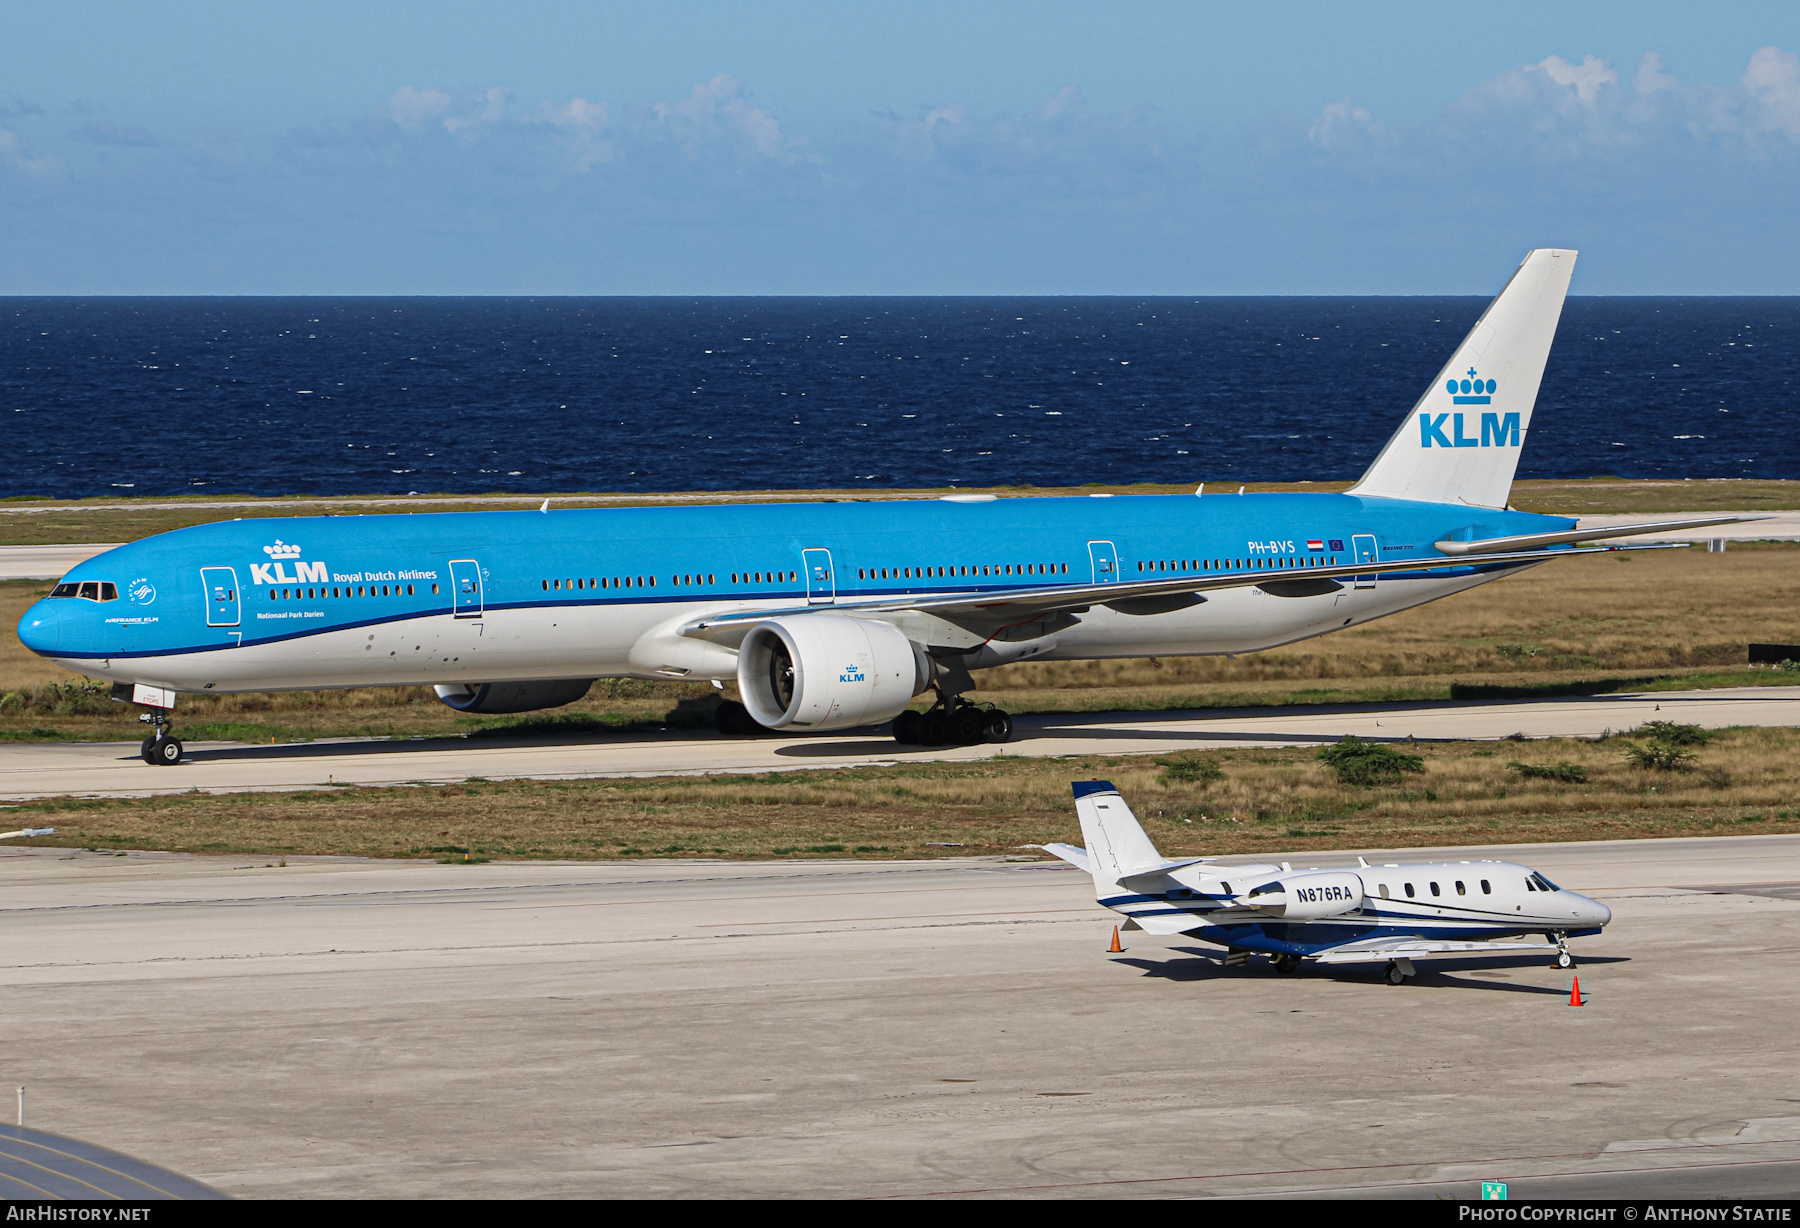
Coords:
pixel 1412 948
pixel 1534 541
pixel 993 612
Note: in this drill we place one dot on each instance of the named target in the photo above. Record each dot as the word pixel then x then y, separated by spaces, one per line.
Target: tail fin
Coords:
pixel 1446 453
pixel 1116 844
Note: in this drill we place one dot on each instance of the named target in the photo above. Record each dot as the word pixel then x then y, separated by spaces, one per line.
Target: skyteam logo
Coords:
pixel 1447 430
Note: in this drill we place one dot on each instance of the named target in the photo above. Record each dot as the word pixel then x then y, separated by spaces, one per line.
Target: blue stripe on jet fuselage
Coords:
pixel 518 550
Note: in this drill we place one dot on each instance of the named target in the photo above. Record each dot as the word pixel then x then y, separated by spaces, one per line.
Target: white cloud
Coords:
pixel 493 102
pixel 1587 77
pixel 411 108
pixel 1650 77
pixel 1343 127
pixel 1773 81
pixel 1063 101
pixel 717 109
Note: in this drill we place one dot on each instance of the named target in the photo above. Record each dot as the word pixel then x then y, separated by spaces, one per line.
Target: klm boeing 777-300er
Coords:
pixel 1334 914
pixel 827 615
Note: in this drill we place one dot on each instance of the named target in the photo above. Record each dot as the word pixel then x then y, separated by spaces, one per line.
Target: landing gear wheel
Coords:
pixel 999 727
pixel 1287 963
pixel 147 750
pixel 1395 974
pixel 1564 960
pixel 969 725
pixel 165 752
pixel 906 728
pixel 934 729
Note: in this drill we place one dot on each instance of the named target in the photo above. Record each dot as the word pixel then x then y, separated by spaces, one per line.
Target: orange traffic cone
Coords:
pixel 1575 994
pixel 1115 948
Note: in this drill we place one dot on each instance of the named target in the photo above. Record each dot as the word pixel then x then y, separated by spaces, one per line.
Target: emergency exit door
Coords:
pixel 821 587
pixel 1366 552
pixel 465 588
pixel 221 588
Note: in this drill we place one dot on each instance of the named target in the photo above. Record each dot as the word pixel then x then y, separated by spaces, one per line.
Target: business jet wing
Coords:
pixel 1410 948
pixel 992 611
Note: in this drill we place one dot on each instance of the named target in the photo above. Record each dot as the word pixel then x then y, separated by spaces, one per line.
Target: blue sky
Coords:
pixel 1039 148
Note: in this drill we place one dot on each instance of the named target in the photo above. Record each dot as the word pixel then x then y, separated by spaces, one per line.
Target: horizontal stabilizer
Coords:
pixel 1412 948
pixel 1130 877
pixel 1068 852
pixel 1537 541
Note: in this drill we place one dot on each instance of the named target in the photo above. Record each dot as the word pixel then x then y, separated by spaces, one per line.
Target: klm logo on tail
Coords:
pixel 1497 430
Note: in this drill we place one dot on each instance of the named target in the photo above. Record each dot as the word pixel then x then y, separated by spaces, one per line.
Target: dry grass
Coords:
pixel 1269 801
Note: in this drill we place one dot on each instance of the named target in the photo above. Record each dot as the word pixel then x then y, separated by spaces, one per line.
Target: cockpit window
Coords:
pixel 1544 884
pixel 89 590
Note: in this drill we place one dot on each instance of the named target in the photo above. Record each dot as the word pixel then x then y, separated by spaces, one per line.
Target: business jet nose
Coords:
pixel 1593 911
pixel 41 628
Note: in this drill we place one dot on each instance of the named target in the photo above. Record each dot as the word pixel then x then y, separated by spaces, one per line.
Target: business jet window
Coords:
pixel 1384 891
pixel 1485 889
pixel 1409 890
pixel 1460 889
pixel 1544 884
pixel 1434 889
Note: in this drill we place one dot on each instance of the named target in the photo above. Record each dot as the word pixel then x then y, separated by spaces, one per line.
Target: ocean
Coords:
pixel 328 396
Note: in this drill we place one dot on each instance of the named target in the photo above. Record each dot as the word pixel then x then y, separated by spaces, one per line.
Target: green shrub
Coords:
pixel 1659 757
pixel 1368 763
pixel 1672 733
pixel 1568 773
pixel 1190 768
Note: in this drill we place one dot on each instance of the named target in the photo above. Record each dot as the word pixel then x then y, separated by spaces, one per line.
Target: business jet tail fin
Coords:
pixel 1461 442
pixel 1117 848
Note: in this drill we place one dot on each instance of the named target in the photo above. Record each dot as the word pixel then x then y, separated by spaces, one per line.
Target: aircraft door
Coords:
pixel 1106 562
pixel 821 587
pixel 221 588
pixel 1366 552
pixel 465 588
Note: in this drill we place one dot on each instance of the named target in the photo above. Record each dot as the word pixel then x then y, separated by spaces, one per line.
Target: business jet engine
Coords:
pixel 494 697
pixel 1309 894
pixel 826 671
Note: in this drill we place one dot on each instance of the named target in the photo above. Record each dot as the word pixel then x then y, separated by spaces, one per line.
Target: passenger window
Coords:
pixel 1409 890
pixel 1384 891
pixel 1460 889
pixel 1485 889
pixel 1434 889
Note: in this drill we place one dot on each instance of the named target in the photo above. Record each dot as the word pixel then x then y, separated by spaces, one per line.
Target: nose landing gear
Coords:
pixel 162 748
pixel 953 721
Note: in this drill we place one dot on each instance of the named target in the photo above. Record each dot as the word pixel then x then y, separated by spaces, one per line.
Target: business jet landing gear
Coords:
pixel 1287 963
pixel 953 721
pixel 1398 970
pixel 1563 960
pixel 162 748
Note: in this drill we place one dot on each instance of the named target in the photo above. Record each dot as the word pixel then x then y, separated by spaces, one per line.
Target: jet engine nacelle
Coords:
pixel 827 671
pixel 1303 896
pixel 494 697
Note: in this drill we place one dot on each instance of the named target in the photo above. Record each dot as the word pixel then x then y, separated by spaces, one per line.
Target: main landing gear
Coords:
pixel 953 721
pixel 162 748
pixel 1398 970
pixel 1287 963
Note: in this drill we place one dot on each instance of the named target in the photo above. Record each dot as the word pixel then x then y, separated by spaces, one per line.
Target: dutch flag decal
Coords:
pixel 1315 545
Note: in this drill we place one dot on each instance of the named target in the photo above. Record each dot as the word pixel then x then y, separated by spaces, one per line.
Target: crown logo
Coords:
pixel 1470 391
pixel 281 550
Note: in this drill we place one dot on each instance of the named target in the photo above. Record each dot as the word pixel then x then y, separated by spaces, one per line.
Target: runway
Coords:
pixel 344 1028
pixel 50 769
